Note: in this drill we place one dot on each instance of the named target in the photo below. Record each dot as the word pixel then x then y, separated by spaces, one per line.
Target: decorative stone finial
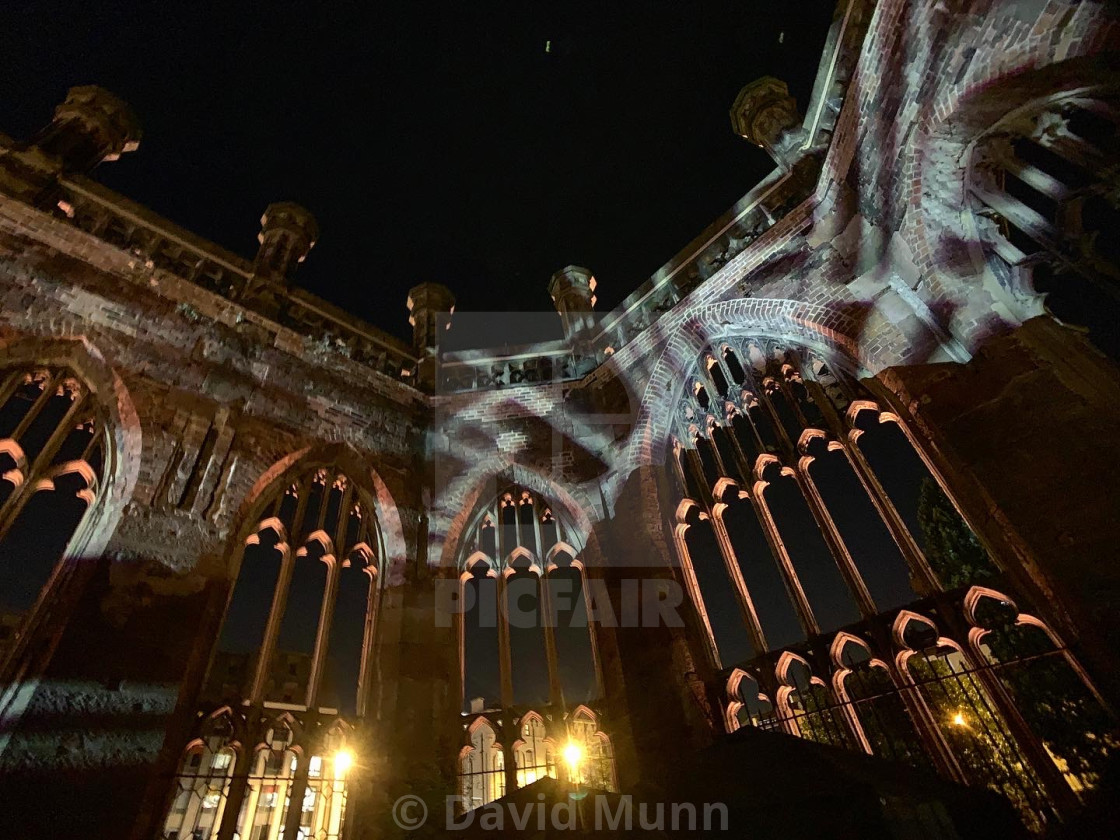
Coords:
pixel 90 126
pixel 425 303
pixel 288 233
pixel 573 294
pixel 765 114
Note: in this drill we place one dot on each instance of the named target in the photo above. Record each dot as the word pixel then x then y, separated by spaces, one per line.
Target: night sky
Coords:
pixel 479 145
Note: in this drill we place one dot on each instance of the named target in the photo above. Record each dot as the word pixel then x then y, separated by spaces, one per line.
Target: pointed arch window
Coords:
pixel 482 774
pixel 271 775
pixel 323 807
pixel 806 705
pixel 596 768
pixel 525 635
pixel 52 453
pixel 534 751
pixel 748 705
pixel 203 783
pixel 877 708
pixel 966 716
pixel 1049 687
pixel 298 629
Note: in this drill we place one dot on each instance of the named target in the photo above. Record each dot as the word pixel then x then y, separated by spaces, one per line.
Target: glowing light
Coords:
pixel 958 720
pixel 343 761
pixel 573 755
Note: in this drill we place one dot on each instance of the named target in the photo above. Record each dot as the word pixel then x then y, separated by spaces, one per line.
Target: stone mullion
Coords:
pixel 832 536
pixel 322 637
pixel 596 657
pixel 1073 148
pixel 905 541
pixel 15 503
pixel 330 594
pixel 11 383
pixel 239 783
pixel 847 708
pixel 722 467
pixel 548 619
pixel 1035 178
pixel 504 646
pixel 59 435
pixel 742 594
pixel 745 467
pixel 692 586
pixel 785 563
pixel 788 447
pixel 697 465
pixel 52 383
pixel 373 602
pixel 296 791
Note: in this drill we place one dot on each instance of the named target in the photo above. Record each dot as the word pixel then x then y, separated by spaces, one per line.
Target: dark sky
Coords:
pixel 432 141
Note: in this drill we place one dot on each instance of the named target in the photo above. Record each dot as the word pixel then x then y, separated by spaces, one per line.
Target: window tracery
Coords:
pixel 296 637
pixel 1045 206
pixel 801 498
pixel 203 782
pixel 52 452
pixel 527 647
pixel 298 627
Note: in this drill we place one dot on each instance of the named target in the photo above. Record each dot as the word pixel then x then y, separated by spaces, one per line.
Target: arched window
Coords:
pixel 748 705
pixel 944 538
pixel 318 596
pixel 527 592
pixel 876 707
pixel 806 706
pixel 323 808
pixel 202 783
pixel 1047 211
pixel 1050 689
pixel 52 450
pixel 595 767
pixel 533 751
pixel 482 775
pixel 526 641
pixel 271 775
pixel 967 718
pixel 807 544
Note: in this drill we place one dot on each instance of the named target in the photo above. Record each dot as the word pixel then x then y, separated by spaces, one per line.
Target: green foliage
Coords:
pixel 951 548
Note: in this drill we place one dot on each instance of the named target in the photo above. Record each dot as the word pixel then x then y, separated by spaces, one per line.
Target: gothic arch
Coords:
pixel 340 457
pixel 485 478
pixel 124 454
pixel 828 332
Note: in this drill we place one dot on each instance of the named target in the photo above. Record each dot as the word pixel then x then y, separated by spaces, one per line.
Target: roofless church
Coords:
pixel 819 524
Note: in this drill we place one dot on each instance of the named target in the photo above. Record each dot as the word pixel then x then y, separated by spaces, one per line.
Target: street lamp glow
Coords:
pixel 343 761
pixel 573 755
pixel 958 720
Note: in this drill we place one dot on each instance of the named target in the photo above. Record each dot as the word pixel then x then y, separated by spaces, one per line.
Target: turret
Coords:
pixel 90 126
pixel 765 114
pixel 429 306
pixel 573 294
pixel 288 233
